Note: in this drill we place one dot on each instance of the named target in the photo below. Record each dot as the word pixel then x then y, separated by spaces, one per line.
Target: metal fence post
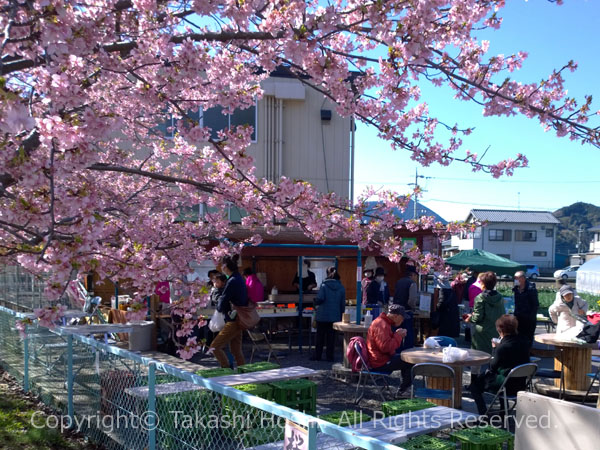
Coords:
pixel 312 435
pixel 151 423
pixel 26 364
pixel 70 377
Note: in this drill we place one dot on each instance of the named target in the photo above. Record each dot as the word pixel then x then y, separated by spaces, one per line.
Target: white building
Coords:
pixel 528 237
pixel 594 251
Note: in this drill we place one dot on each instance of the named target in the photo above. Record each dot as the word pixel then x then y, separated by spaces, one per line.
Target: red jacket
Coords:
pixel 382 342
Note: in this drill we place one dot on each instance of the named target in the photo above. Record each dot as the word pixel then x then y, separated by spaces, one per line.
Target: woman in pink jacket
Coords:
pixel 256 291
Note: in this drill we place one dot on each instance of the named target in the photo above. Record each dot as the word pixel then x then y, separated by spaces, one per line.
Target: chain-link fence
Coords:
pixel 122 400
pixel 20 290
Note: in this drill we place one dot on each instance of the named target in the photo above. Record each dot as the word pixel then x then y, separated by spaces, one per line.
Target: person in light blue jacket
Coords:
pixel 330 303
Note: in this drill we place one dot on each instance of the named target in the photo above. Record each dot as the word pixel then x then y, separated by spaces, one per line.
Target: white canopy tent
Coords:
pixel 588 277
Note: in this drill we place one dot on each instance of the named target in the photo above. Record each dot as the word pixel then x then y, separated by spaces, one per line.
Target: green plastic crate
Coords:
pixel 296 394
pixel 346 418
pixel 172 431
pixel 427 443
pixel 257 367
pixel 259 436
pixel 404 406
pixel 483 438
pixel 217 372
pixel 245 416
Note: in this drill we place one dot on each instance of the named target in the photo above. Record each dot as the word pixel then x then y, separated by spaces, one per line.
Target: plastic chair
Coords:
pixel 433 370
pixel 523 371
pixel 259 338
pixel 554 374
pixel 445 341
pixel 366 372
pixel 594 376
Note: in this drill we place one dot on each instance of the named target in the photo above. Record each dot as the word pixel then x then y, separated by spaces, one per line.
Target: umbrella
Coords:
pixel 483 261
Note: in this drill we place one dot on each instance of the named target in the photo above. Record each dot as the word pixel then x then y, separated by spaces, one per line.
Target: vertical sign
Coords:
pixel 295 437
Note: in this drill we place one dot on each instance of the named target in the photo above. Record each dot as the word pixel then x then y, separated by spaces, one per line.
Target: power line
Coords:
pixel 545 208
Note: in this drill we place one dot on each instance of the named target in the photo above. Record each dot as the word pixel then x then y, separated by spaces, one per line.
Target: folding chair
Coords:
pixel 260 338
pixel 553 374
pixel 594 376
pixel 366 372
pixel 433 370
pixel 526 371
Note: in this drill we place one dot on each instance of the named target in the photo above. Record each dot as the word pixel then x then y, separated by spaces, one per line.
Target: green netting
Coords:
pixel 296 394
pixel 428 443
pixel 483 438
pixel 346 418
pixel 404 406
pixel 216 372
pixel 257 367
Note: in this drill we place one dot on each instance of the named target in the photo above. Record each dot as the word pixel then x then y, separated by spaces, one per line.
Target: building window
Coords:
pixel 504 255
pixel 526 235
pixel 217 120
pixel 500 235
pixel 540 254
pixel 550 232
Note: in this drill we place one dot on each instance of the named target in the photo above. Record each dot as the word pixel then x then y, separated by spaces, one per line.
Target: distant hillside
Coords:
pixel 571 219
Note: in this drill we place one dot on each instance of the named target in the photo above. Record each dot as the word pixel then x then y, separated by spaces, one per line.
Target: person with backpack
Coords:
pixel 382 343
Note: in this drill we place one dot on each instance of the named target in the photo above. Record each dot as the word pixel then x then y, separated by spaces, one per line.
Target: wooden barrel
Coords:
pixel 577 363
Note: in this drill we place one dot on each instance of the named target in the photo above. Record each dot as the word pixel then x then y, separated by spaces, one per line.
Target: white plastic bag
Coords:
pixel 217 322
pixel 453 354
pixel 431 343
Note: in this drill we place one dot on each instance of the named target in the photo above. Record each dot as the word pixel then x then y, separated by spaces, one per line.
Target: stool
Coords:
pixel 296 394
pixel 428 443
pixel 257 367
pixel 346 418
pixel 483 438
pixel 216 372
pixel 404 406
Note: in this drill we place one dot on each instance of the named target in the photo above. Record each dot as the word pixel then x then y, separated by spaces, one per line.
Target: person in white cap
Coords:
pixel 562 311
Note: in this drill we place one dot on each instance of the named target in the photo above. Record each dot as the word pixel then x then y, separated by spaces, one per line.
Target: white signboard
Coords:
pixel 295 437
pixel 425 302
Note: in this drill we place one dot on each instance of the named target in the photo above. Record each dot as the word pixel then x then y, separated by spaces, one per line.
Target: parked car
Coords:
pixel 567 272
pixel 532 272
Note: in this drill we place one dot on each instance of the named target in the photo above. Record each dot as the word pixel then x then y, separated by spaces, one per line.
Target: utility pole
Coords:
pixel 579 231
pixel 415 184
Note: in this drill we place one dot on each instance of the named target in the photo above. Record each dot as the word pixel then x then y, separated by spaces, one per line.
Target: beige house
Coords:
pixel 297 134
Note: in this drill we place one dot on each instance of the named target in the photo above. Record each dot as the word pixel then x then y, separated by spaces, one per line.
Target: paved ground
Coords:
pixel 333 394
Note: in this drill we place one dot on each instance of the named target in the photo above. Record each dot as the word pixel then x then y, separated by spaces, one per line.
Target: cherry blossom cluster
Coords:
pixel 89 182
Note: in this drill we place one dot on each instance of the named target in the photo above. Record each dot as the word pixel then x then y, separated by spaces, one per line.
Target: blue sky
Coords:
pixel 561 172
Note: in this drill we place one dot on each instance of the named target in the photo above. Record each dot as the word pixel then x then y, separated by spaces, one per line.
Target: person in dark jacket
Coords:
pixel 378 291
pixel 447 309
pixel 309 280
pixel 234 293
pixel 526 305
pixel 330 303
pixel 406 292
pixel 510 352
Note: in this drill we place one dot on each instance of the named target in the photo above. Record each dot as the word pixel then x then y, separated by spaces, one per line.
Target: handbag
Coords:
pixel 590 333
pixel 247 316
pixel 217 322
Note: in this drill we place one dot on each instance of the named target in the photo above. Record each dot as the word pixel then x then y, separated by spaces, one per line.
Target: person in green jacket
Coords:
pixel 488 308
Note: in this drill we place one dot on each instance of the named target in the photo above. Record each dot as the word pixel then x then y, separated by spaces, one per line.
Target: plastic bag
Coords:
pixel 217 322
pixel 453 354
pixel 431 343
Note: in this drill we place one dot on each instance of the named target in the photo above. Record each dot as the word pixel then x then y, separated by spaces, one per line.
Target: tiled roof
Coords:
pixel 512 216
